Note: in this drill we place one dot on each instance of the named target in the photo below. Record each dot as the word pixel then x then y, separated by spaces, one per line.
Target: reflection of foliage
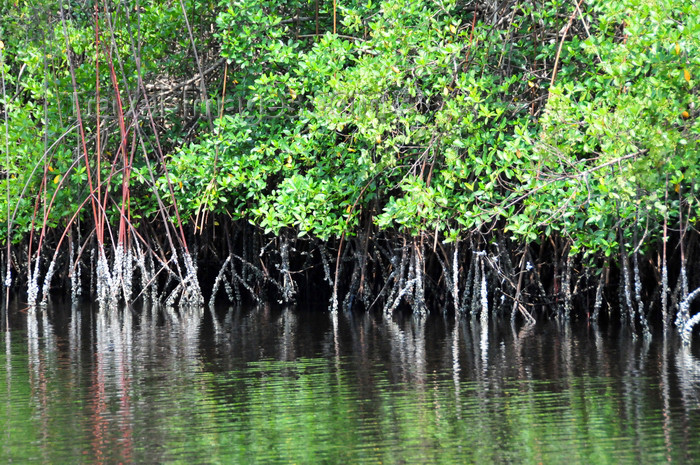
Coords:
pixel 150 392
pixel 302 412
pixel 305 412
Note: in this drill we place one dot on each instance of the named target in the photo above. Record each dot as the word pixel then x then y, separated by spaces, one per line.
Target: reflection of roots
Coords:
pixel 688 370
pixel 408 348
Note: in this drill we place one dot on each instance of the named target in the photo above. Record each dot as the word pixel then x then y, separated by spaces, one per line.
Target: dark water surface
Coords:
pixel 285 386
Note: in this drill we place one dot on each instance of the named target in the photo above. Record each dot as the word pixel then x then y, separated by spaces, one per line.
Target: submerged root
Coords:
pixel 117 281
pixel 686 328
pixel 325 260
pixel 103 278
pixel 638 298
pixel 218 281
pixel 399 288
pixel 192 294
pixel 288 285
pixel 451 276
pixel 598 296
pixel 566 289
pixel 144 263
pixel 47 282
pixel 483 290
pixel 683 314
pixel 385 272
pixel 418 304
pixel 33 284
pixel 74 269
pixel 128 275
pixel 627 291
pixel 354 282
pixel 467 294
pixel 455 277
pixel 7 283
pixel 234 293
pixel 476 285
pixel 232 287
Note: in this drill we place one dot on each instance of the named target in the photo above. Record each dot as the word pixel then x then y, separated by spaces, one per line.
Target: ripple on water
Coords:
pixel 268 386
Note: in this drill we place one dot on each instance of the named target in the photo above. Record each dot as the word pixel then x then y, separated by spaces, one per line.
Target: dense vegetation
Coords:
pixel 524 156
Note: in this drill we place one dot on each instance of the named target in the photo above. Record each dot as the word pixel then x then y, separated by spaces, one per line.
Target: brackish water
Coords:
pixel 285 386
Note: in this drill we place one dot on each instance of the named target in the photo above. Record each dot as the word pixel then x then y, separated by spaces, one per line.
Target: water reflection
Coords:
pixel 279 385
pixel 688 372
pixel 42 369
pixel 111 385
pixel 407 349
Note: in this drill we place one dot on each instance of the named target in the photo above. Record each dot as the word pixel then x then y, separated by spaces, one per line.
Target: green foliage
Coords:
pixel 396 116
pixel 616 141
pixel 44 170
